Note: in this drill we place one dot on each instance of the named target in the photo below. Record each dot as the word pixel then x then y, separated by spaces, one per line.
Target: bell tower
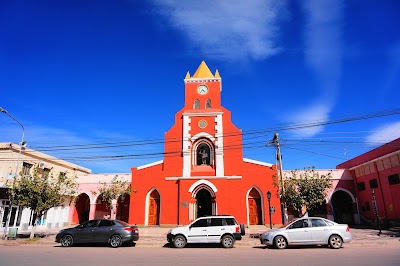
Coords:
pixel 202 143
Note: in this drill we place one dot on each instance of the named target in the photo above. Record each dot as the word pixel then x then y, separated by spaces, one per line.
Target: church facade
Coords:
pixel 203 171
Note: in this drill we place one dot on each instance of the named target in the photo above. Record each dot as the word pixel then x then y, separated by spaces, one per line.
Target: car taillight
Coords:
pixel 237 229
pixel 129 229
pixel 348 229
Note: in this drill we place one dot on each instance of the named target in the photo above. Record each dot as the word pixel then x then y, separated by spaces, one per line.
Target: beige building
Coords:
pixel 28 160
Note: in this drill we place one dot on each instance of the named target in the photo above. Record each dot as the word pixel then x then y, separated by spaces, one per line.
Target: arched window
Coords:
pixel 208 104
pixel 196 104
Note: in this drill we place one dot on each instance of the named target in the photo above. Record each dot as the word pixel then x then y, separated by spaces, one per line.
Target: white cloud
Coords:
pixel 384 134
pixel 313 114
pixel 228 30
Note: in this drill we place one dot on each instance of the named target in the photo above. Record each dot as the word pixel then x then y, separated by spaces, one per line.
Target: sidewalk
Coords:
pixel 157 237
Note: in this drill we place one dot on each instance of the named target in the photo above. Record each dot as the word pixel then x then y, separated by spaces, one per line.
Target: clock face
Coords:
pixel 202 89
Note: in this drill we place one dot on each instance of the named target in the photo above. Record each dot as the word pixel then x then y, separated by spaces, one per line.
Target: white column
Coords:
pixel 219 154
pixel 186 146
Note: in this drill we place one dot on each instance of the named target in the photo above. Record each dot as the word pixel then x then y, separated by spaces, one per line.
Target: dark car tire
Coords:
pixel 179 241
pixel 227 241
pixel 280 242
pixel 67 241
pixel 115 241
pixel 335 241
pixel 242 230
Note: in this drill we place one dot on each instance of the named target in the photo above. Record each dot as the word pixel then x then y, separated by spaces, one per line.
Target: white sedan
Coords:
pixel 308 231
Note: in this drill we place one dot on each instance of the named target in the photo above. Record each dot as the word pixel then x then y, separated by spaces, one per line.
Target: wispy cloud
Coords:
pixel 317 112
pixel 384 134
pixel 228 30
pixel 323 53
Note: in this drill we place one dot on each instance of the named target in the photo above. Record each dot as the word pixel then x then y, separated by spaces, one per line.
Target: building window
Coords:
pixel 196 104
pixel 367 208
pixel 373 183
pixel 208 104
pixel 394 179
pixel 26 168
pixel 360 186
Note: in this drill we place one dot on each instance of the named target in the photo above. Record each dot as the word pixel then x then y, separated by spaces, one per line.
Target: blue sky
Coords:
pixel 98 82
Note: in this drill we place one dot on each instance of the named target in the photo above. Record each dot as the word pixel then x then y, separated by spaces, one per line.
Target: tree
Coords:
pixel 111 191
pixel 42 191
pixel 305 189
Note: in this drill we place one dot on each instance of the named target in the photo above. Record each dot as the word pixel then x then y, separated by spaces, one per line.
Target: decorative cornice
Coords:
pixel 174 178
pixel 203 114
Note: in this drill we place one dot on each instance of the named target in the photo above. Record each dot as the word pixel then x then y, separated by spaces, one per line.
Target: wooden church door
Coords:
pixel 154 208
pixel 255 212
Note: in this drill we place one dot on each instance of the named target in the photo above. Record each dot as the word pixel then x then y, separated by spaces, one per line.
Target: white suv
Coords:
pixel 209 229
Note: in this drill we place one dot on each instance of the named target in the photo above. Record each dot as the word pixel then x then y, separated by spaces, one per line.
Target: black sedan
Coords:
pixel 113 232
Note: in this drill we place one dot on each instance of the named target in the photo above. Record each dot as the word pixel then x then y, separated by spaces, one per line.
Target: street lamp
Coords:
pixel 21 145
pixel 375 209
pixel 269 208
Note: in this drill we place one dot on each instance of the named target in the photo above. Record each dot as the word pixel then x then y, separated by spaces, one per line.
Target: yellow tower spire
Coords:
pixel 187 75
pixel 203 71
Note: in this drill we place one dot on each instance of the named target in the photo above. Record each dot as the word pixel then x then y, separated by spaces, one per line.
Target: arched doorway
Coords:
pixel 342 204
pixel 123 208
pixel 154 208
pixel 204 203
pixel 255 207
pixel 82 209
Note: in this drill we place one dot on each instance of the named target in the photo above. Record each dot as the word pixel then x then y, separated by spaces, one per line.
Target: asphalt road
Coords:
pixel 372 254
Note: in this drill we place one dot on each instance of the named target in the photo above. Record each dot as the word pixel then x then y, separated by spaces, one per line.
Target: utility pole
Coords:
pixel 275 142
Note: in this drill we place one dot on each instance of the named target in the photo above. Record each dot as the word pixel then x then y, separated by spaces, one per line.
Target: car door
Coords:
pixel 299 232
pixel 320 231
pixel 198 231
pixel 104 230
pixel 85 233
pixel 215 230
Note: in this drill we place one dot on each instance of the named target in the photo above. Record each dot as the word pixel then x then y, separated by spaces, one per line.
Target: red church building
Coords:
pixel 203 171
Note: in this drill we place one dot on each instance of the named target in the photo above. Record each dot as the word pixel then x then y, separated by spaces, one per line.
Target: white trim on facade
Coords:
pixel 202 114
pixel 186 145
pixel 149 165
pixel 174 178
pixel 376 159
pixel 257 162
pixel 219 145
pixel 201 182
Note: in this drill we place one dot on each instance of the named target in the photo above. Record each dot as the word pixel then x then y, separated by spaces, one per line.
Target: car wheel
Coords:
pixel 67 241
pixel 115 241
pixel 227 241
pixel 335 241
pixel 280 242
pixel 179 241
